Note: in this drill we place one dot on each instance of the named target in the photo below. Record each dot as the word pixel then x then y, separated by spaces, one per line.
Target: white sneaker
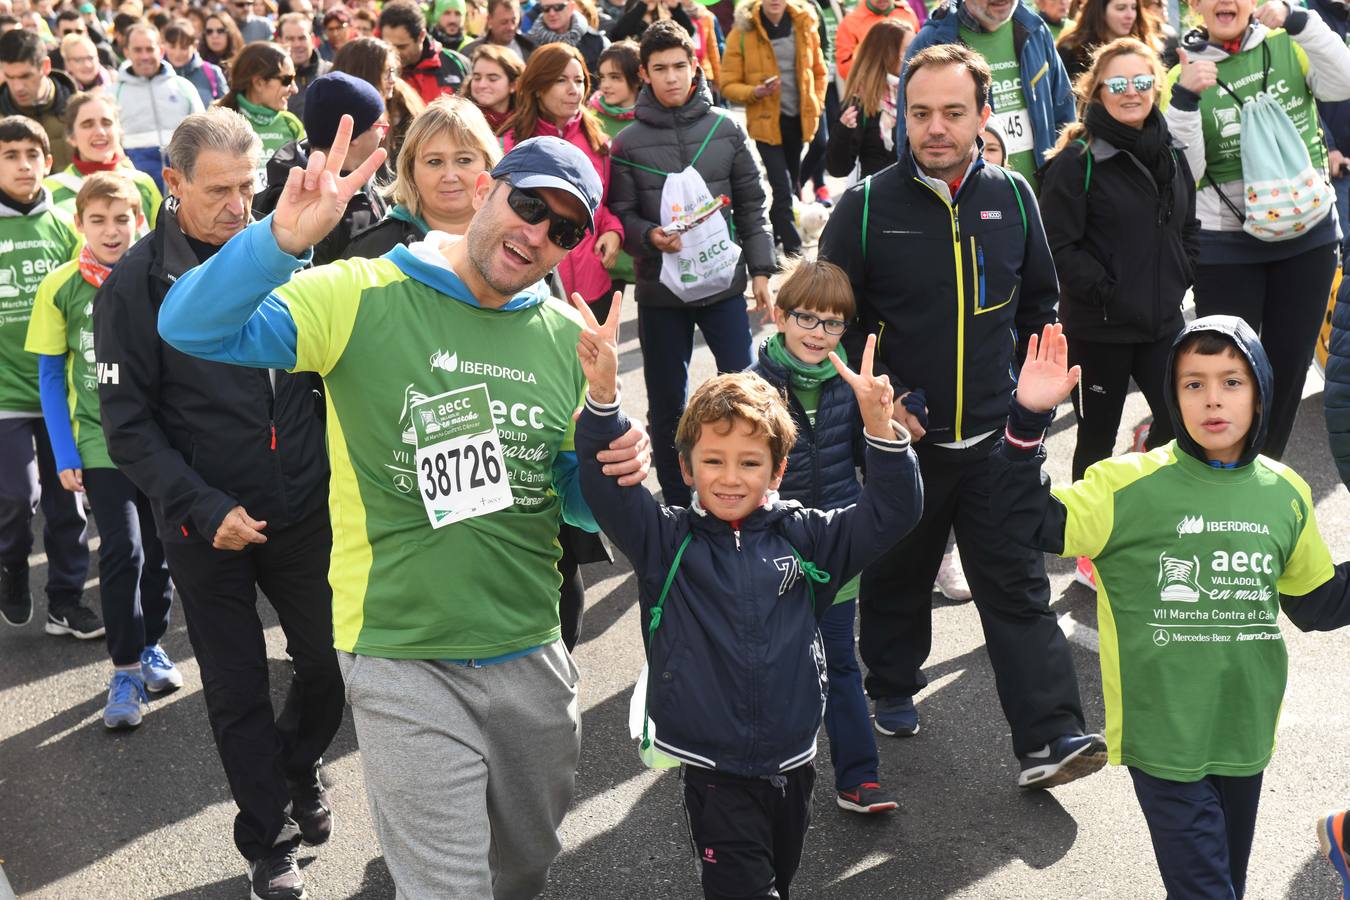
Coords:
pixel 951 578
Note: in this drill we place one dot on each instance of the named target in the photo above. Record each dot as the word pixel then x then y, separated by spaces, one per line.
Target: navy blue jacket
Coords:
pixel 737 671
pixel 1336 394
pixel 822 467
pixel 1045 84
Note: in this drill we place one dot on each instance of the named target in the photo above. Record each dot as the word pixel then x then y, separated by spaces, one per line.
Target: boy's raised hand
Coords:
pixel 1046 380
pixel 598 348
pixel 876 397
pixel 314 198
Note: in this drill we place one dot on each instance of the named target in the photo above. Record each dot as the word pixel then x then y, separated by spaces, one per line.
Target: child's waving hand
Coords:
pixel 1046 380
pixel 876 397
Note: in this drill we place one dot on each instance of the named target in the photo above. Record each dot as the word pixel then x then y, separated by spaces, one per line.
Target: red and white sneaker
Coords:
pixel 1084 574
pixel 866 798
pixel 1140 437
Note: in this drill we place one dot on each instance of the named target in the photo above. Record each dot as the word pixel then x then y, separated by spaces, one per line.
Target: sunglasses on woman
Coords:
pixel 211 31
pixel 286 80
pixel 1118 85
pixel 533 209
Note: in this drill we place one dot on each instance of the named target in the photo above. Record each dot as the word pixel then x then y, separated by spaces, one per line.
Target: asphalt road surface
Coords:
pixel 89 814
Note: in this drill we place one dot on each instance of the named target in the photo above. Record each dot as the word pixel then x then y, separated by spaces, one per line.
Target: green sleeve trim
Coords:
pixel 1090 501
pixel 324 303
pixel 47 326
pixel 1309 566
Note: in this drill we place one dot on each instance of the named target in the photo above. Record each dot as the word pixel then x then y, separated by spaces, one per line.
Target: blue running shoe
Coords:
pixel 1331 835
pixel 896 717
pixel 1063 760
pixel 158 671
pixel 127 702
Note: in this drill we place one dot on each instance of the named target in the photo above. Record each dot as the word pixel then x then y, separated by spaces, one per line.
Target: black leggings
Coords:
pixel 1284 301
pixel 1100 399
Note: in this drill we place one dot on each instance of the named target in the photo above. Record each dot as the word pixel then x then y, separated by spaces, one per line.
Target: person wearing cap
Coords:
pixel 337 31
pixel 330 97
pixel 295 32
pixel 451 380
pixel 445 23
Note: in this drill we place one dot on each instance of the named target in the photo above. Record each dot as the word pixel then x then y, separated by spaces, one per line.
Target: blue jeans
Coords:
pixel 853 747
pixel 666 335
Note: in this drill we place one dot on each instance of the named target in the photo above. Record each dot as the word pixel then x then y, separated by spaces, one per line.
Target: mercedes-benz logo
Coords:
pixel 1160 637
pixel 403 482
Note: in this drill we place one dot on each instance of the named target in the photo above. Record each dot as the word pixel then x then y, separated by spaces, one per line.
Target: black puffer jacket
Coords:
pixel 666 140
pixel 199 438
pixel 822 467
pixel 364 209
pixel 1125 252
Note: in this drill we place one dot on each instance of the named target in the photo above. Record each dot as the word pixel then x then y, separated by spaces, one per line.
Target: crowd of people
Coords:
pixel 325 302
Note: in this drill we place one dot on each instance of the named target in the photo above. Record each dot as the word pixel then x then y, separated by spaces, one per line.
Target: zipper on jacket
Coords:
pixel 737 533
pixel 960 303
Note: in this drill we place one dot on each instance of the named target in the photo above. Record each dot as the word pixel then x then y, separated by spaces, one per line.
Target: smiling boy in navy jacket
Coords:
pixel 737 669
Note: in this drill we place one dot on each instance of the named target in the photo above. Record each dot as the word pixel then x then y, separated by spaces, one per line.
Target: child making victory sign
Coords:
pixel 1196 546
pixel 732 590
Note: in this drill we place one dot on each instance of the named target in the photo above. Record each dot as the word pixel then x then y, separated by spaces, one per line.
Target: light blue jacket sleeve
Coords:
pixel 225 309
pixel 56 411
pixel 567 484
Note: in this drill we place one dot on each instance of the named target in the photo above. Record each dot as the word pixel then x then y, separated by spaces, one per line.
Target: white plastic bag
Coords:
pixel 706 263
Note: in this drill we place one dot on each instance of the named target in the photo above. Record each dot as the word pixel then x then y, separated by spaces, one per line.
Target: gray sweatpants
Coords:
pixel 469 771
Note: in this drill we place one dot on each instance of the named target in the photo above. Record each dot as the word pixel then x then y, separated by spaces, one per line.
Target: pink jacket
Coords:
pixel 581 270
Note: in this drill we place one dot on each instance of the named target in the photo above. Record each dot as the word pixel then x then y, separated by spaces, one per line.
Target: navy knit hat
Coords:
pixel 331 95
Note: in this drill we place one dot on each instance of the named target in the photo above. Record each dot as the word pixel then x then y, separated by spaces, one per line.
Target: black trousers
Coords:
pixel 218 589
pixel 577 547
pixel 27 473
pixel 748 832
pixel 1033 668
pixel 1284 301
pixel 1202 832
pixel 133 576
pixel 783 167
pixel 1100 399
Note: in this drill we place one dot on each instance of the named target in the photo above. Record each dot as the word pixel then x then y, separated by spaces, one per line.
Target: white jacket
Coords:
pixel 152 107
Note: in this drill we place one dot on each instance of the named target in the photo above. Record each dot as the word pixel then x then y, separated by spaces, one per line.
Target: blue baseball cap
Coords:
pixel 551 162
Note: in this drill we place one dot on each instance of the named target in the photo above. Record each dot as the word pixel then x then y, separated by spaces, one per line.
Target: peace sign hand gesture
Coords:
pixel 1046 380
pixel 598 348
pixel 876 397
pixel 314 198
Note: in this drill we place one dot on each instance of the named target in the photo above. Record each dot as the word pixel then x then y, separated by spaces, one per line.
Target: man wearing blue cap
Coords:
pixel 451 382
pixel 333 95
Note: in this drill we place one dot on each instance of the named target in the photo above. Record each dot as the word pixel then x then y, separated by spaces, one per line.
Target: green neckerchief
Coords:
pixel 260 116
pixel 880 12
pixel 617 112
pixel 804 375
pixel 403 214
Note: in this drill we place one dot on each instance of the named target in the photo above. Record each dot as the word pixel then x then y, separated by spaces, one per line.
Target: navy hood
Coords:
pixel 1249 345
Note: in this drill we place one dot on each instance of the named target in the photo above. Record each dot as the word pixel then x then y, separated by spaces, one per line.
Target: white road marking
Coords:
pixel 38 559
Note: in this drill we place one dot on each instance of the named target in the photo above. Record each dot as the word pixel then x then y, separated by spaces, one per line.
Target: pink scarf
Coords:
pixel 93 271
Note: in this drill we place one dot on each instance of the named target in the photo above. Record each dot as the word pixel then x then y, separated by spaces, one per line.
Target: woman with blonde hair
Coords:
pixel 447 147
pixel 550 100
pixel 865 133
pixel 1118 202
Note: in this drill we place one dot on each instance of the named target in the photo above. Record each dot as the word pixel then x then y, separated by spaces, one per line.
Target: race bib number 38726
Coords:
pixel 460 470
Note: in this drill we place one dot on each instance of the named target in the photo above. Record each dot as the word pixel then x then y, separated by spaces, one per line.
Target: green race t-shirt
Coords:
pixel 275 128
pixel 1190 564
pixel 1245 74
pixel 385 344
pixel 30 247
pixel 1006 96
pixel 63 325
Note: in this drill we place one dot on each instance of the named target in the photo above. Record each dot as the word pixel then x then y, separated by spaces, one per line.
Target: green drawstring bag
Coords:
pixel 639 723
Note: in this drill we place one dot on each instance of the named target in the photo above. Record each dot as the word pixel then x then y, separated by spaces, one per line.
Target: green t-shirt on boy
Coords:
pixel 1006 95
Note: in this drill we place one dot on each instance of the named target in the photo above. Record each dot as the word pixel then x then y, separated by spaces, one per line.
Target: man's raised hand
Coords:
pixel 598 348
pixel 876 397
pixel 314 198
pixel 1046 380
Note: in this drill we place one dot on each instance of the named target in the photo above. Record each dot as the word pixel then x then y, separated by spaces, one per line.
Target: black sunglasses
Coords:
pixel 286 80
pixel 534 209
pixel 553 8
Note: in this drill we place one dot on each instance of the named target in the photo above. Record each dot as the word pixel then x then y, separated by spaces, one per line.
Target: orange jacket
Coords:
pixel 855 26
pixel 748 60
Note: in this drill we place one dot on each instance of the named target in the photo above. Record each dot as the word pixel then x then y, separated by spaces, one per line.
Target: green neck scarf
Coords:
pixel 804 376
pixel 403 214
pixel 260 116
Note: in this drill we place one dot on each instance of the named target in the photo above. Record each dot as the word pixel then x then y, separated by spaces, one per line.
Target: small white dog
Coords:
pixel 810 219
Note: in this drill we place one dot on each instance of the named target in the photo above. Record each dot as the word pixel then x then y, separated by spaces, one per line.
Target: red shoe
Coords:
pixel 823 197
pixel 1084 574
pixel 1140 437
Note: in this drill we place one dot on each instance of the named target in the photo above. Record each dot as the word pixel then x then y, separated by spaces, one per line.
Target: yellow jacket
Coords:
pixel 748 60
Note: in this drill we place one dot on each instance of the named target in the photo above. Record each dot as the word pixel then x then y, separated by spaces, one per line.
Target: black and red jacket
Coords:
pixel 437 72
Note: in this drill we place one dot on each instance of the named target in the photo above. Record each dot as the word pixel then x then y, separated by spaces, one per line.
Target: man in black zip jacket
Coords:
pixel 233 462
pixel 950 266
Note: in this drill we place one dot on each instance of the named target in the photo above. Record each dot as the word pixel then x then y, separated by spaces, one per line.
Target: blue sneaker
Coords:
pixel 896 717
pixel 158 671
pixel 1331 835
pixel 127 702
pixel 1063 760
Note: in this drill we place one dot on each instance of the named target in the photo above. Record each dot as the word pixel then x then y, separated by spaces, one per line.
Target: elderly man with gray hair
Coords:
pixel 233 462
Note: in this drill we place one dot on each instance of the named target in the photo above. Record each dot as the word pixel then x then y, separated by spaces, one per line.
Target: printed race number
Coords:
pixel 460 469
pixel 1017 131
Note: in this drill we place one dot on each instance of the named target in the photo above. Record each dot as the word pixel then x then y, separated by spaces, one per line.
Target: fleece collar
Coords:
pixel 425 261
pixel 44 203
